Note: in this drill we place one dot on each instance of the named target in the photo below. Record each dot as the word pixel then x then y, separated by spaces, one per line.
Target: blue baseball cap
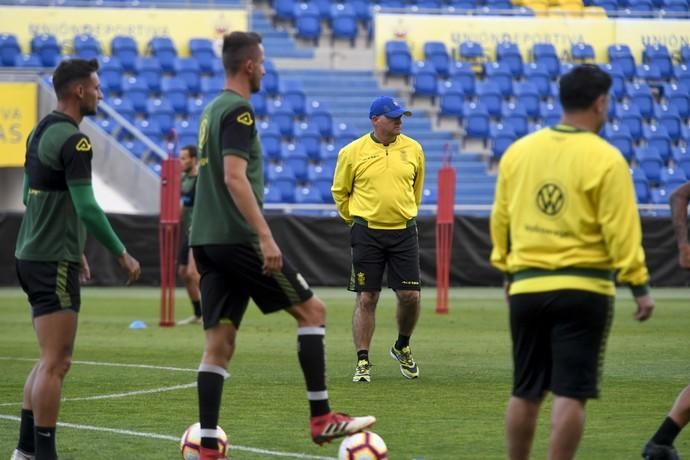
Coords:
pixel 386 105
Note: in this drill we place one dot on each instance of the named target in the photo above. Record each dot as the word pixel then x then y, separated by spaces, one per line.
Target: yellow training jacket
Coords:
pixel 381 184
pixel 565 215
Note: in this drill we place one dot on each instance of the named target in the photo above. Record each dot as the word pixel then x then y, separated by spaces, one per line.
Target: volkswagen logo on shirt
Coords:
pixel 550 199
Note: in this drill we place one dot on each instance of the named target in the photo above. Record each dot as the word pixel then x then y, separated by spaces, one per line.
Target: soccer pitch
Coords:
pixel 131 393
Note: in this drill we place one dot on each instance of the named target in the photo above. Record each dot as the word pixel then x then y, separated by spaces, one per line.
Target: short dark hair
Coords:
pixel 579 88
pixel 191 149
pixel 237 48
pixel 71 70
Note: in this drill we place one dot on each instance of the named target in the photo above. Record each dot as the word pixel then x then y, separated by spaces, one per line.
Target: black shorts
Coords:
pixel 50 286
pixel 373 250
pixel 183 252
pixel 231 275
pixel 559 338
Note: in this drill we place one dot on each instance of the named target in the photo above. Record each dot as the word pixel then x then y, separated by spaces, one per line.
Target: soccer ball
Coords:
pixel 191 441
pixel 363 446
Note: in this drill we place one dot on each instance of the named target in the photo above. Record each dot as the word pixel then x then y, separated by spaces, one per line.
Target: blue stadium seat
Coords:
pixel 9 50
pixel 629 115
pixel 477 121
pixel 640 95
pixel 471 51
pixel 649 73
pixel 437 54
pixel 271 141
pixel 672 178
pixel 500 74
pixel 677 97
pixel 538 74
pixel 502 136
pixel 316 172
pixel 611 6
pixel 516 117
pixel 685 54
pixel 308 22
pixel 271 82
pixel 259 104
pixel 681 158
pixel 657 138
pixel 329 155
pixel 545 54
pixel 211 87
pixel 550 113
pixel 137 91
pixel 150 129
pixel 280 113
pixel 309 137
pixel 424 81
pixel 641 184
pixel 174 90
pixel 201 49
pixel 284 10
pixel 293 93
pixel 164 49
pixel 149 69
pixel 462 4
pixel 462 75
pixel 321 118
pixel 110 74
pixel 189 71
pixel 343 23
pixel 489 95
pixel 582 52
pixel 640 8
pixel 429 195
pixel 187 133
pixel 527 96
pixel 138 149
pixel 295 157
pixel 343 135
pixel 47 48
pixel 619 137
pixel 125 49
pixel 323 185
pixel 196 105
pixel 122 106
pixel 161 112
pixel 651 163
pixel 658 56
pixel 667 116
pixel 86 47
pixel 451 99
pixel 674 6
pixel 681 74
pixel 308 195
pixel 659 196
pixel 509 53
pixel 619 55
pixel 398 59
pixel 272 194
pixel 282 177
pixel 618 85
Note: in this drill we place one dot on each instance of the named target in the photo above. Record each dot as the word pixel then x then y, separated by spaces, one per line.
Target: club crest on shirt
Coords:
pixel 83 145
pixel 245 119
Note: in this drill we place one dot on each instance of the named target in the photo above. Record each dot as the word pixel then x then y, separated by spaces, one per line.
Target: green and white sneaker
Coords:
pixel 362 371
pixel 408 368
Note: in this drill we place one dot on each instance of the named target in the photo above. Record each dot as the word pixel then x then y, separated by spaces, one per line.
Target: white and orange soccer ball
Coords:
pixel 363 446
pixel 191 441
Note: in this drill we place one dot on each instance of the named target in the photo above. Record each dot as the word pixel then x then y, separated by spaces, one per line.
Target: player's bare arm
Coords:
pixel 679 209
pixel 240 190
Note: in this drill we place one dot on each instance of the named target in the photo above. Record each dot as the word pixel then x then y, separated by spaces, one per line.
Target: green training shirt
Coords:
pixel 227 127
pixel 187 190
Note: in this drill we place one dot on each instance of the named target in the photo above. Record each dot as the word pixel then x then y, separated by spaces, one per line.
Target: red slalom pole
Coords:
pixel 444 228
pixel 168 228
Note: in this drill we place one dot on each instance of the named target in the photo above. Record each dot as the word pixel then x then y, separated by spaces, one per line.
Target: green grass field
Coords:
pixel 454 411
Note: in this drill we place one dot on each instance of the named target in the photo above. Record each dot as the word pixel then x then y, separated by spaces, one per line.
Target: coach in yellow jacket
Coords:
pixel 377 188
pixel 564 222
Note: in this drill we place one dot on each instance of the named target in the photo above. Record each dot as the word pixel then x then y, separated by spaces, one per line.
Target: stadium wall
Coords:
pixel 320 248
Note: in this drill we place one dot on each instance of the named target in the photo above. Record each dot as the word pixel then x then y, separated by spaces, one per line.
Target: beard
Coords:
pixel 89 111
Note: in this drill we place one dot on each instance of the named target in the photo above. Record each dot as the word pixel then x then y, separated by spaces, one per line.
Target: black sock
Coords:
pixel 667 433
pixel 210 389
pixel 311 354
pixel 403 341
pixel 26 432
pixel 197 308
pixel 45 443
pixel 362 355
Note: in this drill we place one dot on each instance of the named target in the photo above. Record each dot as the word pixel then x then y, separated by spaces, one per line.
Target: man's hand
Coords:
pixel 84 270
pixel 131 266
pixel 273 258
pixel 684 256
pixel 645 307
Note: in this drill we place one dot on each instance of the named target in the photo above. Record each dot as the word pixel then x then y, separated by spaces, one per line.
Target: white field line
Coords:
pixel 175 438
pixel 95 363
pixel 120 395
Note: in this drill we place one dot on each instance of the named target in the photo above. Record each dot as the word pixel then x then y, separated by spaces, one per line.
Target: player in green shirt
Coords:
pixel 60 209
pixel 237 256
pixel 186 267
